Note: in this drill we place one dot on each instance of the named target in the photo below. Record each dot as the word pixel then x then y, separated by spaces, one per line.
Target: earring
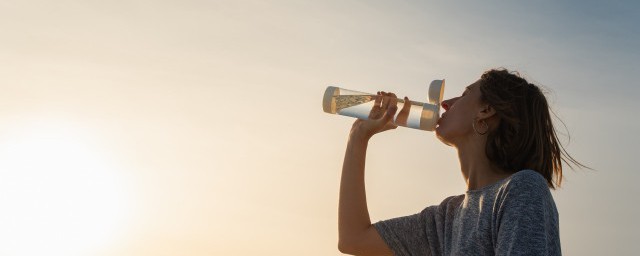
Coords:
pixel 484 123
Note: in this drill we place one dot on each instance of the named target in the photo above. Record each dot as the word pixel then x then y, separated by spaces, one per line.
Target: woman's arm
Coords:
pixel 356 234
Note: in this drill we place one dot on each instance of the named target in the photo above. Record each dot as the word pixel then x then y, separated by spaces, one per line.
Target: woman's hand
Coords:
pixel 381 116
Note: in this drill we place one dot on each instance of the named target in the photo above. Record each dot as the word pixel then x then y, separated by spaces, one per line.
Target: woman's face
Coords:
pixel 454 126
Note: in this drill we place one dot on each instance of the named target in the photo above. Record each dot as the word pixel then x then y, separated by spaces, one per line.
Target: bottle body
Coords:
pixel 423 116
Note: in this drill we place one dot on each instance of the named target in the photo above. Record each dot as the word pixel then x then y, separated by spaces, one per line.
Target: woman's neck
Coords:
pixel 476 168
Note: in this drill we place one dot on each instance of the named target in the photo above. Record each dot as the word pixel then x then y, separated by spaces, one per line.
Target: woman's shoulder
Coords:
pixel 528 178
pixel 525 183
pixel 526 190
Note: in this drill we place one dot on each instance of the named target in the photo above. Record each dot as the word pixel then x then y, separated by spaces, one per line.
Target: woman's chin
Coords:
pixel 441 136
pixel 438 130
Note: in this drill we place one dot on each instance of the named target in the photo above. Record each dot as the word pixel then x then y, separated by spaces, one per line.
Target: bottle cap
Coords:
pixel 431 111
pixel 436 91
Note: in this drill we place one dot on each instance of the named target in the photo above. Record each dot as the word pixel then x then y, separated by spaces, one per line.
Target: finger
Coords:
pixel 378 98
pixel 406 106
pixel 392 100
pixel 385 101
pixel 375 109
pixel 389 114
pixel 403 116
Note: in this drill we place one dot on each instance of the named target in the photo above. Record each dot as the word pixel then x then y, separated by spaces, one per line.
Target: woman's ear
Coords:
pixel 486 112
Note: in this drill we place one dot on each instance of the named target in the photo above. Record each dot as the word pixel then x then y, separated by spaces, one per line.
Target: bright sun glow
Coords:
pixel 59 195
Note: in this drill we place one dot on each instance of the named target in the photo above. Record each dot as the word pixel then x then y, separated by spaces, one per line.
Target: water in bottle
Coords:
pixel 423 116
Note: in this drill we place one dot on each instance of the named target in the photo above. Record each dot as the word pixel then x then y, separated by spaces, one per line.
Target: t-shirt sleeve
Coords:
pixel 415 234
pixel 528 218
pixel 406 235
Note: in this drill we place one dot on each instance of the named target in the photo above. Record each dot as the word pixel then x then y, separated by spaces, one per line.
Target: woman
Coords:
pixel 509 158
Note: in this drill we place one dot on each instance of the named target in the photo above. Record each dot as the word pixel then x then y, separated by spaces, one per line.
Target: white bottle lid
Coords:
pixel 431 111
pixel 436 91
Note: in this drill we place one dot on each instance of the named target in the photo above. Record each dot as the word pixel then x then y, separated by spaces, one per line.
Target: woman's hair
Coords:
pixel 525 137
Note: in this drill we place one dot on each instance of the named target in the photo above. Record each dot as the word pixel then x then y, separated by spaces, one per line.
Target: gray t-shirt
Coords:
pixel 514 216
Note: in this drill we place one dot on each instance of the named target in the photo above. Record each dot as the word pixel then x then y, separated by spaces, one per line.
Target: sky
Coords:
pixel 196 127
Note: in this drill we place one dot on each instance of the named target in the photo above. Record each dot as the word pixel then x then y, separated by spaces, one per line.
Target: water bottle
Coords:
pixel 423 116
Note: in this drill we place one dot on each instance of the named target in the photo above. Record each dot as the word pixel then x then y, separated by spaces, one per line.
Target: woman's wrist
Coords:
pixel 358 135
